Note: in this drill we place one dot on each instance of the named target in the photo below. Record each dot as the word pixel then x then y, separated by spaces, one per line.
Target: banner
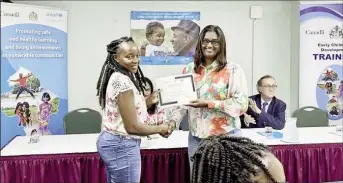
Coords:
pixel 165 38
pixel 321 57
pixel 34 94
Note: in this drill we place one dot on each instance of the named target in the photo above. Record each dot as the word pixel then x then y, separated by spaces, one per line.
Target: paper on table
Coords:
pixel 273 135
pixel 337 133
pixel 176 90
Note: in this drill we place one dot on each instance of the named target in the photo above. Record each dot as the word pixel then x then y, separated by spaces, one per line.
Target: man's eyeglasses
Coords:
pixel 270 86
pixel 214 42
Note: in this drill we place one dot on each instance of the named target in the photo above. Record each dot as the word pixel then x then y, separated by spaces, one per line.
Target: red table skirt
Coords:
pixel 302 163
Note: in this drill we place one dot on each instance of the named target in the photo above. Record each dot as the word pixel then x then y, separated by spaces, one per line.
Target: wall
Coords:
pixel 93 24
pixel 294 62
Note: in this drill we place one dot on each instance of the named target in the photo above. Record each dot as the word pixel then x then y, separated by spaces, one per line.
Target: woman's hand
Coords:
pixel 165 130
pixel 172 125
pixel 152 99
pixel 198 103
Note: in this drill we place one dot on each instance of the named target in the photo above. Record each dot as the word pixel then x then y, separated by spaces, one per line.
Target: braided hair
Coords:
pixel 111 65
pixel 226 158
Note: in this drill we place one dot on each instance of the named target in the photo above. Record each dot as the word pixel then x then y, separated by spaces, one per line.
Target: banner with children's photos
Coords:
pixel 165 38
pixel 34 93
pixel 321 57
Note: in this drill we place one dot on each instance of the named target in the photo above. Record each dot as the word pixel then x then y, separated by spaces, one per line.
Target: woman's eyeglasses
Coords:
pixel 214 42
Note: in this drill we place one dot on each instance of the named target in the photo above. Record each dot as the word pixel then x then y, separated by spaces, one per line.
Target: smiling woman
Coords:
pixel 221 87
pixel 125 117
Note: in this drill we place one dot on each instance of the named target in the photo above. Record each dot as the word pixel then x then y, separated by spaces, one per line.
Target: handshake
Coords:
pixel 167 129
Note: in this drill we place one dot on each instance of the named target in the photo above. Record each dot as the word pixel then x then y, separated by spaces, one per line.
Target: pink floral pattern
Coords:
pixel 158 117
pixel 111 120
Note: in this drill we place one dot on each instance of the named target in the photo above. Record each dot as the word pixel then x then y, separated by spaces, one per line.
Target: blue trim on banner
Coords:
pixel 310 16
pixel 170 60
pixel 156 15
pixel 315 9
pixel 335 7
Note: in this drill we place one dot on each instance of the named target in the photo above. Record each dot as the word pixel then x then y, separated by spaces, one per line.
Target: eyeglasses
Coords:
pixel 270 87
pixel 214 42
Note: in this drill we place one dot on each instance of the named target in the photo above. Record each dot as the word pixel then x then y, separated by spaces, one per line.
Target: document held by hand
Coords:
pixel 176 90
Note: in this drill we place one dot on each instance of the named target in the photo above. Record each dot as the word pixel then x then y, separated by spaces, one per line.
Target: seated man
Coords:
pixel 232 159
pixel 264 108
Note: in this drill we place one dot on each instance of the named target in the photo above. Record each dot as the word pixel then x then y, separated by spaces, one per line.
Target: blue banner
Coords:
pixel 161 15
pixel 165 38
pixel 34 95
pixel 321 56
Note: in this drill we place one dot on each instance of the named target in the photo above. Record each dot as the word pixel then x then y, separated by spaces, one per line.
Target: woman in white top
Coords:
pixel 125 118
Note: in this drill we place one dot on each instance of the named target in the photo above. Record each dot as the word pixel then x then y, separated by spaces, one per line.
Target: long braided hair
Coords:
pixel 111 65
pixel 226 158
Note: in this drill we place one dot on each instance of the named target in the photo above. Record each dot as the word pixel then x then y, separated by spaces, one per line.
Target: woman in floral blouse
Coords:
pixel 221 87
pixel 125 118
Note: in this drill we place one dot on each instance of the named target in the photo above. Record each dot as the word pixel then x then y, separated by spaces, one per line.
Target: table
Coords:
pixel 317 157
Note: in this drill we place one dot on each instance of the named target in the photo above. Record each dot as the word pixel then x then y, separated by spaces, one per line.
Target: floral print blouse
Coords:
pixel 226 92
pixel 158 117
pixel 111 118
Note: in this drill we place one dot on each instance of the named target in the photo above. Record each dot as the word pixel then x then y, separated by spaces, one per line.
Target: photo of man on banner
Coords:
pixel 165 38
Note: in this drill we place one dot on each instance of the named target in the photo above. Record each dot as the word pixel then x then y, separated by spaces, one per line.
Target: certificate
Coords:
pixel 176 90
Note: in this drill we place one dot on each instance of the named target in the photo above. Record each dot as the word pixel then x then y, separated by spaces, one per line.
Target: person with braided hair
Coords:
pixel 225 158
pixel 125 117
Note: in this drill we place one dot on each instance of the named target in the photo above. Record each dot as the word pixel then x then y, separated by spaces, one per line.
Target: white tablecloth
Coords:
pixel 83 143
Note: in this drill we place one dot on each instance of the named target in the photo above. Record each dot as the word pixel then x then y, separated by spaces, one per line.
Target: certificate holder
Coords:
pixel 176 90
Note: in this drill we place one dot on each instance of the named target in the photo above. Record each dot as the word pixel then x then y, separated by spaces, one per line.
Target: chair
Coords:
pixel 82 121
pixel 310 116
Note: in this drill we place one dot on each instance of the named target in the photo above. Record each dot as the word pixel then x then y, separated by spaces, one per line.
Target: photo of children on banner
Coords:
pixel 330 75
pixel 20 113
pixel 27 114
pixel 34 136
pixel 24 86
pixel 154 46
pixel 45 110
pixel 20 101
pixel 184 39
pixel 332 100
pixel 328 87
pixel 165 37
pixel 332 84
pixel 23 112
pixel 340 92
pixel 334 111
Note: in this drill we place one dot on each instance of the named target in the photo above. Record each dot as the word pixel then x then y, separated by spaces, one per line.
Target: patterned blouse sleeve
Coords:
pixel 120 84
pixel 237 100
pixel 175 114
